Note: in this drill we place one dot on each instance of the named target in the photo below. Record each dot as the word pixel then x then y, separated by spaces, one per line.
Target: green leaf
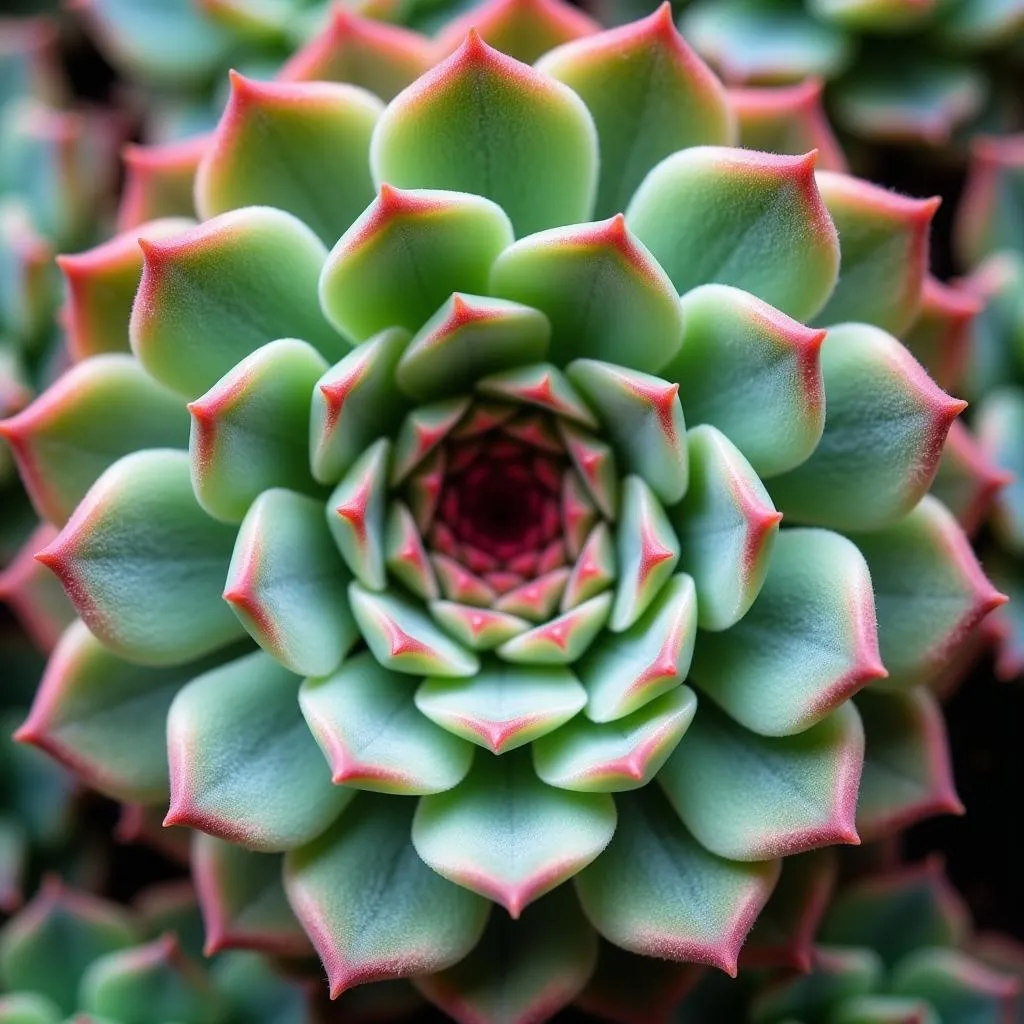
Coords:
pixel 158 181
pixel 242 899
pixel 355 514
pixel 406 255
pixel 521 970
pixel 106 718
pixel 373 734
pixel 727 527
pixel 753 373
pixel 884 242
pixel 28 1008
pixel 657 892
pixel 1000 425
pixel 884 1010
pixel 597 284
pixel 250 431
pixel 750 797
pixel 885 424
pixel 562 640
pixel 730 216
pixel 807 644
pixel 93 414
pixel 286 583
pixel 144 565
pixel 244 766
pixel 272 143
pixel 483 123
pixel 503 706
pixel 372 908
pixel 214 295
pixel 988 217
pixel 505 834
pixel 930 592
pixel 650 95
pixel 958 986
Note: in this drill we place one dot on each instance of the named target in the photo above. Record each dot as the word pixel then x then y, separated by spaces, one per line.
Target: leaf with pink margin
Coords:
pixel 563 639
pixel 355 402
pixel 930 592
pixel 210 297
pixel 508 836
pixel 1006 625
pixel 272 143
pixel 787 119
pixel 753 373
pixel 884 242
pixel 643 417
pixel 657 892
pixel 1000 425
pixel 355 515
pixel 807 644
pixel 32 593
pixel 374 736
pixel 405 256
pixel 105 718
pixel 883 1009
pixel 482 629
pixel 750 797
pixel 593 571
pixel 891 16
pixel 988 216
pixel 503 706
pixel 543 386
pixel 885 424
pixel 650 96
pixel 595 465
pixel 711 214
pixel 968 482
pixel 521 971
pixel 250 431
pixel 907 771
pixel 286 583
pixel 372 908
pixel 244 766
pixel 616 756
pixel 27 286
pixel 898 912
pixel 159 181
pixel 84 422
pixel 430 136
pixel 242 899
pixel 350 48
pixel 101 285
pixel 941 336
pixel 785 931
pixel 144 564
pixel 960 987
pixel 726 525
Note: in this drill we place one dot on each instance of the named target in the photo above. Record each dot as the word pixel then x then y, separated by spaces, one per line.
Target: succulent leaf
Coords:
pixel 158 181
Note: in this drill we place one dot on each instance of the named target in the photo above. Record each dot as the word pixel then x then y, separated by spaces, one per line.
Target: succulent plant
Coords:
pixel 71 956
pixel 419 549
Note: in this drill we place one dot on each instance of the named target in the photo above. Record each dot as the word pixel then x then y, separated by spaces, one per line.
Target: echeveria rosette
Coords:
pixel 485 491
pixel 69 956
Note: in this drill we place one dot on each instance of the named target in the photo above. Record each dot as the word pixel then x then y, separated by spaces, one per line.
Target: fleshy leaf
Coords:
pixel 244 766
pixel 930 592
pixel 657 892
pixel 503 706
pixel 726 525
pixel 643 417
pixel 753 373
pixel 372 908
pixel 482 629
pixel 403 638
pixel 616 756
pixel 422 431
pixel 93 414
pixel 750 797
pixel 543 386
pixel 523 970
pixel 907 771
pixel 562 640
pixel 525 127
pixel 595 465
pixel 969 483
pixel 144 565
pixel 106 718
pixel 286 583
pixel 884 252
pixel 957 985
pixel 355 514
pixel 807 644
pixel 593 571
pixel 250 431
pixel 505 834
pixel 405 256
pixel 158 181
pixel 467 338
pixel 988 217
pixel 243 900
pixel 555 271
pixel 273 141
pixel 941 335
pixel 373 735
pixel 212 296
pixel 1000 425
pixel 885 425
pixel 405 554
pixel 711 214
pixel 35 597
pixel 650 95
